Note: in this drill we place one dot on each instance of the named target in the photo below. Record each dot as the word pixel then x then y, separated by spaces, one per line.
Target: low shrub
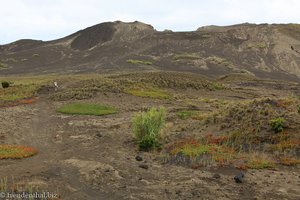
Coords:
pixel 277 124
pixel 218 86
pixel 5 84
pixel 147 127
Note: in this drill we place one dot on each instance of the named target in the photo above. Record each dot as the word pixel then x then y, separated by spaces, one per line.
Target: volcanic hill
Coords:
pixel 266 51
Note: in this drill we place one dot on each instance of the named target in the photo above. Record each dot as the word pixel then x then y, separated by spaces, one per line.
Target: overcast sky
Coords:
pixel 52 19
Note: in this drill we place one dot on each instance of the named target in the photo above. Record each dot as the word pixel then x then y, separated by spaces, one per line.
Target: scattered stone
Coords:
pixel 216 176
pixel 239 177
pixel 138 158
pixel 143 166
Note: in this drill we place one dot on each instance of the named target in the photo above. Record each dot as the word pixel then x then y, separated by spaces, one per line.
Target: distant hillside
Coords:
pixel 269 51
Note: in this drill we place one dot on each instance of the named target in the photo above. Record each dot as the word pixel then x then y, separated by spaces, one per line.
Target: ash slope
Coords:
pixel 267 51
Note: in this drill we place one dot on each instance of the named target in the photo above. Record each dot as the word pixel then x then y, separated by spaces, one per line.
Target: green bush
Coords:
pixel 5 84
pixel 147 127
pixel 277 124
pixel 218 86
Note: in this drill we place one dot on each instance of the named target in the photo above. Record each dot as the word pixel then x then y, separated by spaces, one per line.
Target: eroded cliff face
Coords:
pixel 263 50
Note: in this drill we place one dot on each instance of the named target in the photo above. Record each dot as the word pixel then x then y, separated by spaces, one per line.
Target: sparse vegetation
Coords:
pixel 18 92
pixel 211 150
pixel 172 80
pixel 22 88
pixel 288 161
pixel 150 92
pixel 35 55
pixel 259 161
pixel 220 61
pixel 3 66
pixel 185 114
pixel 11 60
pixel 147 127
pixel 16 152
pixel 292 30
pixel 87 109
pixel 139 62
pixel 203 152
pixel 259 45
pixel 248 143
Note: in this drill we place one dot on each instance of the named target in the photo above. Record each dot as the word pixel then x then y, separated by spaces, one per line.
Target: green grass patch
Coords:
pixel 87 109
pixel 16 152
pixel 186 57
pixel 149 92
pixel 139 62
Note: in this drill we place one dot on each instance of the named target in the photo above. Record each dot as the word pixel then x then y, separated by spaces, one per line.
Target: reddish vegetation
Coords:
pixel 16 151
pixel 289 161
pixel 28 101
pixel 212 139
pixel 19 102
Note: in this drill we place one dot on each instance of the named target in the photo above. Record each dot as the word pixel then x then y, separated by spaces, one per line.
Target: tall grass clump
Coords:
pixel 147 127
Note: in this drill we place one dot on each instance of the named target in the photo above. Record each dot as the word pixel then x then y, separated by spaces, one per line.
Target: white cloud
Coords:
pixel 50 19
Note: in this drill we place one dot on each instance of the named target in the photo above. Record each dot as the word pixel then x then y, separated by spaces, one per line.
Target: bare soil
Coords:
pixel 93 157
